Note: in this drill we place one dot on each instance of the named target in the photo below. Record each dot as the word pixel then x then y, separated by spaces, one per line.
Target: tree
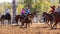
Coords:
pixel 19 8
pixel 14 10
pixel 28 3
pixel 39 5
pixel 59 1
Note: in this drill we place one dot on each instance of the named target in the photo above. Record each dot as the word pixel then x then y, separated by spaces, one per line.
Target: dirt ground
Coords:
pixel 36 28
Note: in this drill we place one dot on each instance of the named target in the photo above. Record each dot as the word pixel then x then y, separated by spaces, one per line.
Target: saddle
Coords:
pixel 7 16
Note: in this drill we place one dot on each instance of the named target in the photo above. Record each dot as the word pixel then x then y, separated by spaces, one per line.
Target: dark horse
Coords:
pixel 6 17
pixel 48 18
pixel 27 19
pixel 17 18
pixel 56 16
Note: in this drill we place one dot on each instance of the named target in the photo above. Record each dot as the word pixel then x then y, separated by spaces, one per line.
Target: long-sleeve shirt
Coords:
pixel 7 11
pixel 27 11
pixel 23 11
pixel 58 9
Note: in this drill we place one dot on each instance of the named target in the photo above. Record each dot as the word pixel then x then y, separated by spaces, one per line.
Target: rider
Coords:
pixel 23 12
pixel 7 12
pixel 27 11
pixel 52 9
pixel 58 10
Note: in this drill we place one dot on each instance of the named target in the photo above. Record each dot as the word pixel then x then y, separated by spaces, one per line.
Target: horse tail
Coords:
pixel 2 17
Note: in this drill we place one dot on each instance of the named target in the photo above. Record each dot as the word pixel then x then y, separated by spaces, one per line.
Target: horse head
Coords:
pixel 44 14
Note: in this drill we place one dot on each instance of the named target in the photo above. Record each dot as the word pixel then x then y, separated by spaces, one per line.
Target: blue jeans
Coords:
pixel 22 15
pixel 7 15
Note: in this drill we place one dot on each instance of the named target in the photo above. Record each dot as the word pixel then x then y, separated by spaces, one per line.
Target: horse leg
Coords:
pixel 44 19
pixel 31 22
pixel 9 22
pixel 21 24
pixel 56 22
pixel 17 22
pixel 50 23
pixel 26 25
pixel 2 22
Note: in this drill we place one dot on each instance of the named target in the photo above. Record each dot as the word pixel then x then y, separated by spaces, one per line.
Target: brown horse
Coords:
pixel 27 19
pixel 56 18
pixel 17 18
pixel 20 17
pixel 5 17
pixel 48 18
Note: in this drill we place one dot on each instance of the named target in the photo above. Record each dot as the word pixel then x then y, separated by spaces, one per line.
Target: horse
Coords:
pixel 43 15
pixel 6 17
pixel 56 18
pixel 17 18
pixel 23 19
pixel 48 18
pixel 26 19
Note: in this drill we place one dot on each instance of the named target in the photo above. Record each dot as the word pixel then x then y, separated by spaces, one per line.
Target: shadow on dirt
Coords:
pixel 55 29
pixel 42 27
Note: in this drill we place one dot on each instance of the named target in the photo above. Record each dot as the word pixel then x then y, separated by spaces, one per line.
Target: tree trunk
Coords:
pixel 14 11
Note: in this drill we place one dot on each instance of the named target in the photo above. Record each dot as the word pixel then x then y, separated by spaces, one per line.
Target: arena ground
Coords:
pixel 36 28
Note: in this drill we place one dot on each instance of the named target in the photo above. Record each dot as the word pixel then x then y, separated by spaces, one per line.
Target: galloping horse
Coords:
pixel 20 17
pixel 26 19
pixel 23 20
pixel 56 18
pixel 6 17
pixel 17 18
pixel 48 18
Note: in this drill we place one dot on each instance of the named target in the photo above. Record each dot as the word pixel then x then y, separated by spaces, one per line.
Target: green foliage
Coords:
pixel 38 6
pixel 19 8
pixel 28 3
pixel 7 5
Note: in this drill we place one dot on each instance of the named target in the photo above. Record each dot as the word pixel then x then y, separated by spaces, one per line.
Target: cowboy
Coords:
pixel 27 11
pixel 52 9
pixel 58 10
pixel 23 12
pixel 7 11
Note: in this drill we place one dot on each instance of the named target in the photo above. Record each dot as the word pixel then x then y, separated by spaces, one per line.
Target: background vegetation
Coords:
pixel 34 5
